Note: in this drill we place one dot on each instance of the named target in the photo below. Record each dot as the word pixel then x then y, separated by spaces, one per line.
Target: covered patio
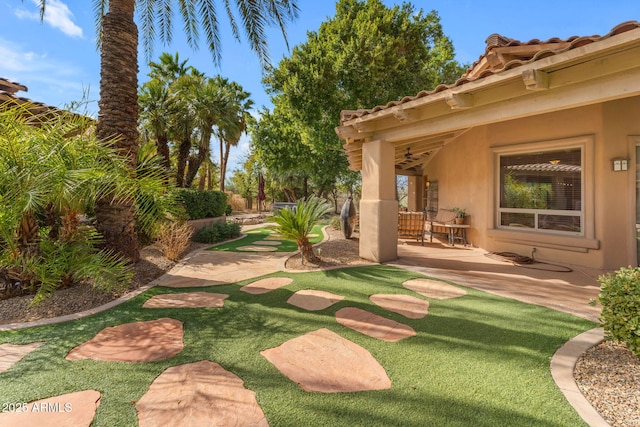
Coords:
pixel 577 95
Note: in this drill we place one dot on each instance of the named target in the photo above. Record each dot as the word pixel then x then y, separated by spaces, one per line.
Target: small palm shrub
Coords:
pixel 217 232
pixel 174 238
pixel 51 175
pixel 620 299
pixel 296 223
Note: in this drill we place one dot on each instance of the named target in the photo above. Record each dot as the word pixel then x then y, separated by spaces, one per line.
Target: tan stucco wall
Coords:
pixel 464 170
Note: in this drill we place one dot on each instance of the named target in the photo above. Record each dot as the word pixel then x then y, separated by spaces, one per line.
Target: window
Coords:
pixel 542 191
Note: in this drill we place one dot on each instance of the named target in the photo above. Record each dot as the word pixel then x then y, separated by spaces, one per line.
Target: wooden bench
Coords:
pixel 411 225
pixel 436 225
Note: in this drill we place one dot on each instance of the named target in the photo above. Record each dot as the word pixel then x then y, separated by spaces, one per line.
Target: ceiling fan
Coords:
pixel 408 155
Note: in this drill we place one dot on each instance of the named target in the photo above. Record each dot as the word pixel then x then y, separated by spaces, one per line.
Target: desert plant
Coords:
pixel 174 238
pixel 296 223
pixel 620 299
pixel 217 232
pixel 50 175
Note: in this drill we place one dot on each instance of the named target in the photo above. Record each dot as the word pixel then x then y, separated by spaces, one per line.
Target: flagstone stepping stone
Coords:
pixel 133 342
pixel 268 242
pixel 406 305
pixel 373 325
pixel 313 300
pixel 10 354
pixel 434 288
pixel 187 282
pixel 256 248
pixel 71 409
pixel 263 286
pixel 199 394
pixel 186 300
pixel 325 362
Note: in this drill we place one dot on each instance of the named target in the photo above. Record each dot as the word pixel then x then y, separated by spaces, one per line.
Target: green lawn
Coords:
pixel 258 234
pixel 477 360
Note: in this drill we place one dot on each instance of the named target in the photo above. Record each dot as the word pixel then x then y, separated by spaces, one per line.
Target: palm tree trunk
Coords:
pixel 222 165
pixel 196 161
pixel 162 144
pixel 118 118
pixel 183 156
pixel 306 250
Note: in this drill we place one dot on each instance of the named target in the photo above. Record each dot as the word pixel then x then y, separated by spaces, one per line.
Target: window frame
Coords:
pixel 585 214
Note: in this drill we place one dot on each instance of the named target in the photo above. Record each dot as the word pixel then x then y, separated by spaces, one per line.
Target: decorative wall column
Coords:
pixel 378 205
pixel 415 192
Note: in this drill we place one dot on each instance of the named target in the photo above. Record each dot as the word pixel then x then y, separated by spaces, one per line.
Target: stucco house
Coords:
pixel 539 141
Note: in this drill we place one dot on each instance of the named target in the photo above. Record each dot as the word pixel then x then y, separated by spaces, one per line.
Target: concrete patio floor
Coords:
pixel 541 283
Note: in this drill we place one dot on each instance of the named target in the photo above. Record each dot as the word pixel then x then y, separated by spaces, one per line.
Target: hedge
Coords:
pixel 203 204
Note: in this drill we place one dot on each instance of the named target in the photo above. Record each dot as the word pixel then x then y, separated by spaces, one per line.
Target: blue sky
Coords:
pixel 58 61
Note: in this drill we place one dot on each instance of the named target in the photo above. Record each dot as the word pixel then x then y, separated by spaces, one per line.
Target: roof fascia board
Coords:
pixel 580 54
pixel 605 88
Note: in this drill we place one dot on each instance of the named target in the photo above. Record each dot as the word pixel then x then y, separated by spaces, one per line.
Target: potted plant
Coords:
pixel 460 214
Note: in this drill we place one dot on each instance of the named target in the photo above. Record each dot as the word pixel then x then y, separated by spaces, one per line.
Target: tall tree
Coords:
pixel 230 131
pixel 118 105
pixel 367 54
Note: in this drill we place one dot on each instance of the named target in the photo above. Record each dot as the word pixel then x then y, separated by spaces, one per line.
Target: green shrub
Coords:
pixel 229 210
pixel 217 232
pixel 620 299
pixel 203 204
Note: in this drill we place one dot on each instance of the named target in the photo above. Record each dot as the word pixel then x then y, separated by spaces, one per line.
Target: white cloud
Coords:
pixel 52 81
pixel 56 14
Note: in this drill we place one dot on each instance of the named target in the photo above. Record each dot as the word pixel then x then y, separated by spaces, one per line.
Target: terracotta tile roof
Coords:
pixel 502 54
pixel 8 90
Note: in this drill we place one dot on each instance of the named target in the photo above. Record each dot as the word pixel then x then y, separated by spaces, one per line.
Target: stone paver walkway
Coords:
pixel 312 300
pixel 324 361
pixel 133 342
pixel 12 353
pixel 201 394
pixel 266 285
pixel 186 300
pixel 406 305
pixel 434 288
pixel 67 410
pixel 373 325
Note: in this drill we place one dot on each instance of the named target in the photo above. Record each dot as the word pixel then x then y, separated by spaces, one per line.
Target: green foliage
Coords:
pixel 367 54
pixel 203 204
pixel 620 299
pixel 296 224
pixel 525 195
pixel 155 199
pixel 229 210
pixel 182 110
pixel 49 176
pixel 217 232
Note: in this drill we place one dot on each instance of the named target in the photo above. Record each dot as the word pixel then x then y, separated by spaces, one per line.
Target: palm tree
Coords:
pixel 156 108
pixel 47 180
pixel 230 132
pixel 118 105
pixel 297 223
pixel 213 108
